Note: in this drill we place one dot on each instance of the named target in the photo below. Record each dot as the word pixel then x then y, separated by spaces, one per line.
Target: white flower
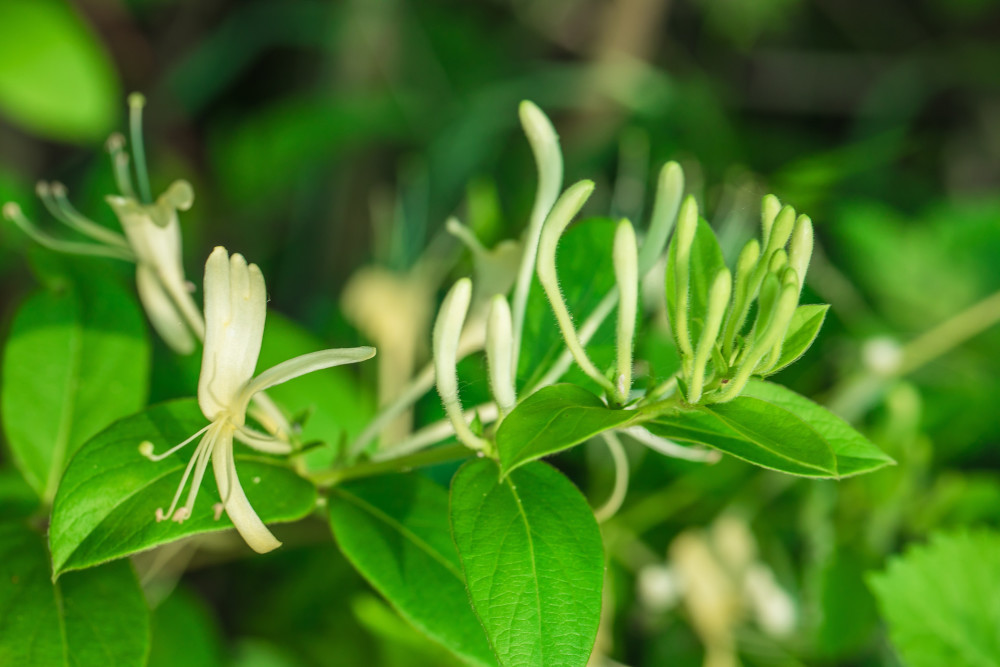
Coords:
pixel 235 309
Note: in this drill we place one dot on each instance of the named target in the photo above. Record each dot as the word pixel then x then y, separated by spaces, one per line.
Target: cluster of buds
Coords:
pixel 721 347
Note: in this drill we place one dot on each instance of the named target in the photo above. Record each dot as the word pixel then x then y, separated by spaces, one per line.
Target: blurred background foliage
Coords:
pixel 322 137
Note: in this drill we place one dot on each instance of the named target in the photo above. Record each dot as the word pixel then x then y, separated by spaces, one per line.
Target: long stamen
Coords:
pixel 12 212
pixel 59 205
pixel 160 515
pixel 136 101
pixel 119 163
pixel 203 454
pixel 146 448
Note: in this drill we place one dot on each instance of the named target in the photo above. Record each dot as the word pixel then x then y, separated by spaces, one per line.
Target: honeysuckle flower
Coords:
pixel 151 239
pixel 235 309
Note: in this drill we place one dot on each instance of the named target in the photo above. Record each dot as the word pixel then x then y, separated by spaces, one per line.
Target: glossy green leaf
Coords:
pixel 95 618
pixel 76 360
pixel 586 275
pixel 394 530
pixel 802 331
pixel 706 262
pixel 552 419
pixel 335 406
pixel 55 77
pixel 533 562
pixel 940 600
pixel 854 452
pixel 753 430
pixel 107 502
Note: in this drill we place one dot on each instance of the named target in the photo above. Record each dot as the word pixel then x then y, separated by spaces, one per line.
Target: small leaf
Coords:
pixel 552 419
pixel 706 262
pixel 76 360
pixel 753 430
pixel 394 530
pixel 533 562
pixel 55 77
pixel 108 498
pixel 95 618
pixel 855 453
pixel 806 323
pixel 940 600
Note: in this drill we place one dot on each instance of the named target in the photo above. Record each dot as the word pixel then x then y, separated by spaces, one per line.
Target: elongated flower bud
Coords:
pixel 447 331
pixel 742 296
pixel 779 260
pixel 627 276
pixel 781 230
pixel 718 299
pixel 801 247
pixel 498 354
pixel 687 225
pixel 669 190
pixel 769 207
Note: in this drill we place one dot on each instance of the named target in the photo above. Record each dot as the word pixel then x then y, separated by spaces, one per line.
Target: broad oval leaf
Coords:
pixel 940 600
pixel 802 331
pixel 706 262
pixel 855 453
pixel 95 618
pixel 55 77
pixel 552 419
pixel 394 529
pixel 533 562
pixel 756 431
pixel 108 498
pixel 76 360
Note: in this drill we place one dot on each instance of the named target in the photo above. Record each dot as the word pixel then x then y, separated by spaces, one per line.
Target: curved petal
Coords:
pixel 235 309
pixel 161 311
pixel 306 363
pixel 234 500
pixel 262 442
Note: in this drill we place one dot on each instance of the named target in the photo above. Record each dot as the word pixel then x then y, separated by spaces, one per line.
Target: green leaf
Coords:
pixel 87 619
pixel 553 419
pixel 756 431
pixel 394 530
pixel 855 453
pixel 533 561
pixel 940 600
pixel 55 77
pixel 109 495
pixel 17 499
pixel 76 360
pixel 802 331
pixel 336 407
pixel 706 262
pixel 586 274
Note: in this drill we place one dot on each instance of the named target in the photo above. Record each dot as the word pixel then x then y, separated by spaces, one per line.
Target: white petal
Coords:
pixel 306 363
pixel 235 309
pixel 262 442
pixel 162 312
pixel 243 516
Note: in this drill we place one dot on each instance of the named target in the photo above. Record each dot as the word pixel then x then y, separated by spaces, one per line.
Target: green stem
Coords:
pixel 428 457
pixel 950 334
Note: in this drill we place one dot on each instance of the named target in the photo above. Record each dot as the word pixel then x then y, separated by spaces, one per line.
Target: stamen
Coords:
pixel 148 451
pixel 119 164
pixel 66 213
pixel 217 510
pixel 136 101
pixel 12 212
pixel 203 454
pixel 465 235
pixel 184 478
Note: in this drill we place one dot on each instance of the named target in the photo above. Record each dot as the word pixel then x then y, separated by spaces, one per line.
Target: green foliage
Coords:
pixel 183 632
pixel 802 332
pixel 552 419
pixel 77 358
pixel 394 530
pixel 706 261
pixel 109 495
pixel 940 600
pixel 533 561
pixel 55 77
pixel 86 619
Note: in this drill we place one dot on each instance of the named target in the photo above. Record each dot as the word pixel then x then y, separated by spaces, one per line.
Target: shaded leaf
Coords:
pixel 533 561
pixel 394 529
pixel 95 618
pixel 108 498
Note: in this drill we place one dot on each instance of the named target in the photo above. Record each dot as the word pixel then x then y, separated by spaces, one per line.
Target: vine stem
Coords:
pixel 950 334
pixel 427 457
